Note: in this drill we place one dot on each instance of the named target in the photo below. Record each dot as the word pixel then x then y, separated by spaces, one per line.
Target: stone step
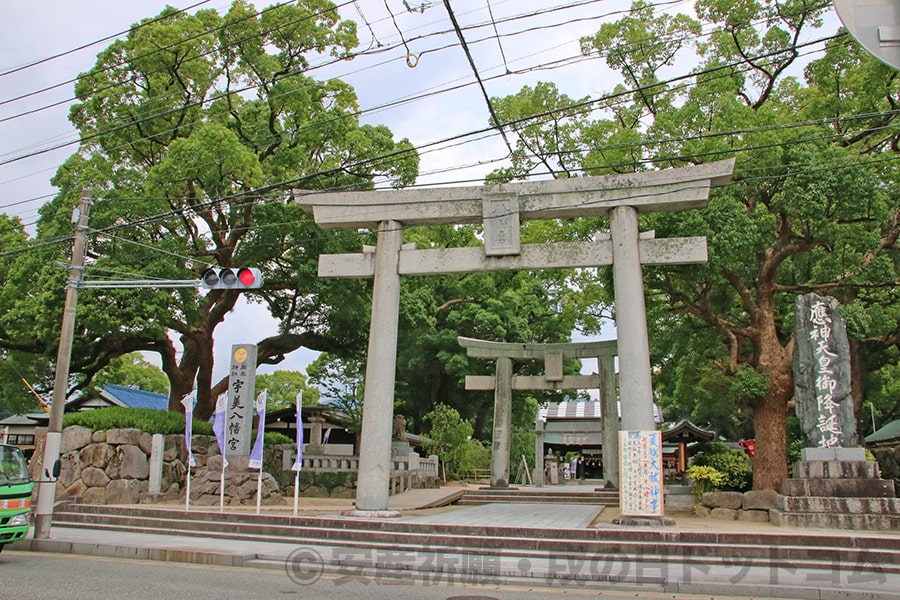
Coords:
pixel 817 504
pixel 855 521
pixel 835 469
pixel 839 488
pixel 496 496
pixel 648 544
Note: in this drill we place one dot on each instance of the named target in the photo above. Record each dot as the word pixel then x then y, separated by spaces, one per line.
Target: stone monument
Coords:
pixel 833 485
pixel 822 374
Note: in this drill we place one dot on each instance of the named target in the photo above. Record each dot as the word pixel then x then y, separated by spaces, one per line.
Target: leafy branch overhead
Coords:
pixel 193 129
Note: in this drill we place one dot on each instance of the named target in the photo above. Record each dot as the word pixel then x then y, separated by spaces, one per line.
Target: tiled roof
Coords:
pixel 134 398
pixel 889 432
pixel 570 410
pixel 582 410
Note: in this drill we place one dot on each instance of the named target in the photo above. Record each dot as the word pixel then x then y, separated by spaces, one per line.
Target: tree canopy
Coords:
pixel 193 130
pixel 813 205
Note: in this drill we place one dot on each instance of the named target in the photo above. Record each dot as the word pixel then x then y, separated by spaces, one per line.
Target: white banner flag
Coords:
pixel 188 403
pixel 256 454
pixel 219 425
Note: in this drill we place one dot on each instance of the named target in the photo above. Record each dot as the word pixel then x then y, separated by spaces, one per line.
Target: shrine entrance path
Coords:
pixel 524 514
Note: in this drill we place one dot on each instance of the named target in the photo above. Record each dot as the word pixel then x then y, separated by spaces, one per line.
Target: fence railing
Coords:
pixel 406 471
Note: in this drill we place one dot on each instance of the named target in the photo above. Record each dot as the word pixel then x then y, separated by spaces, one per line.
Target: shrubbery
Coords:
pixel 733 464
pixel 145 419
pixel 704 479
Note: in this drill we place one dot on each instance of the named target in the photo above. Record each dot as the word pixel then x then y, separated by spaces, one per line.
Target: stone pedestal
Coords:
pixel 400 449
pixel 315 436
pixel 837 488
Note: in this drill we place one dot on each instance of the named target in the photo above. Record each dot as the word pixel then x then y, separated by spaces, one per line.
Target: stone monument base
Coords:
pixel 644 521
pixel 372 514
pixel 400 449
pixel 837 488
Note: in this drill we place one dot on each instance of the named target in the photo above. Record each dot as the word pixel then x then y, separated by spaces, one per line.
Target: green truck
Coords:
pixel 15 495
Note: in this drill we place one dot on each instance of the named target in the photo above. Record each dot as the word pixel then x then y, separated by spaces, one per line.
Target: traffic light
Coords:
pixel 221 278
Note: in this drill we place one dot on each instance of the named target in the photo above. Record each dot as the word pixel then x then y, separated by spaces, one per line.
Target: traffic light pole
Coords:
pixel 243 278
pixel 47 486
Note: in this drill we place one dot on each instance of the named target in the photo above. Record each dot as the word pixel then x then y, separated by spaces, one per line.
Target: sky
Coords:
pixel 420 68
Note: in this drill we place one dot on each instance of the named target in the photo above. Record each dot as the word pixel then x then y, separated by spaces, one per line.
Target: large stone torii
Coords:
pixel 500 208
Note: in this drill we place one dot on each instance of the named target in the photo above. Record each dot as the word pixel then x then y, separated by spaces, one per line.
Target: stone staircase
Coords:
pixel 830 492
pixel 658 549
pixel 487 495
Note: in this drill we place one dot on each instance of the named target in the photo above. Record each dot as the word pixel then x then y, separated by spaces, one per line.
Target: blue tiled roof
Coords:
pixel 134 398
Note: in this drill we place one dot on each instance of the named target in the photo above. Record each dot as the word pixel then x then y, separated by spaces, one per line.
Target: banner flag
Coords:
pixel 256 454
pixel 188 403
pixel 219 425
pixel 298 460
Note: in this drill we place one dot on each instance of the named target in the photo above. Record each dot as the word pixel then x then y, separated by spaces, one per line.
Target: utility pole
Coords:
pixel 47 486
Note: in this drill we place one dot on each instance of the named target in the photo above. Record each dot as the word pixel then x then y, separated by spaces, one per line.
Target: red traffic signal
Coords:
pixel 223 278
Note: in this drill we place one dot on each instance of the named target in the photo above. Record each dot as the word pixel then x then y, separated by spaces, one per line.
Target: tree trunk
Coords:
pixel 857 392
pixel 770 467
pixel 770 423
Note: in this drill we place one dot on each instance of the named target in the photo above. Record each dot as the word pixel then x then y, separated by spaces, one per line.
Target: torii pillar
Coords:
pixel 499 208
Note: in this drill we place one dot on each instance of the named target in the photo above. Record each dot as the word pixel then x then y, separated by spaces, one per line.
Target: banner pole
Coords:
pixel 187 489
pixel 222 487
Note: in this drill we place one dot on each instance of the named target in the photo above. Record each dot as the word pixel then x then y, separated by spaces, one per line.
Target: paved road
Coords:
pixel 40 576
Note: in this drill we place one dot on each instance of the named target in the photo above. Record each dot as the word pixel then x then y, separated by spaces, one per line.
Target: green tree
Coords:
pixel 194 130
pixel 451 440
pixel 283 387
pixel 528 307
pixel 340 382
pixel 19 366
pixel 813 204
pixel 132 370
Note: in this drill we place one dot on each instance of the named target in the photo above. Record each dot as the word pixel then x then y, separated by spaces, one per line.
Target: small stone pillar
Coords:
pixel 157 446
pixel 315 436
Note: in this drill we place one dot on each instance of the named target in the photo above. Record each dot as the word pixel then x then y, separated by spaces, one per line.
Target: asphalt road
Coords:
pixel 39 576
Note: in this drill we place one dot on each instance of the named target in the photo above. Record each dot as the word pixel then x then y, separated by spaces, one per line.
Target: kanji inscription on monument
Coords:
pixel 241 384
pixel 822 374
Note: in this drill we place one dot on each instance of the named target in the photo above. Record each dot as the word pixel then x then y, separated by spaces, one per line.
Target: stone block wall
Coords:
pixel 113 467
pixel 736 506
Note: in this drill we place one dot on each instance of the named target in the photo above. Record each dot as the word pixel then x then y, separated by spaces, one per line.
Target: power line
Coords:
pixel 158 50
pixel 487 98
pixel 157 115
pixel 552 112
pixel 47 59
pixel 362 111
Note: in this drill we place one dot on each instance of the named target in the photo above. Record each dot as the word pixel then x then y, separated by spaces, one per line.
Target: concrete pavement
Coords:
pixel 420 558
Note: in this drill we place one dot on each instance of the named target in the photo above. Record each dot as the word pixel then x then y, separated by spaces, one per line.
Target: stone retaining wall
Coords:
pixel 114 467
pixel 736 506
pixel 118 467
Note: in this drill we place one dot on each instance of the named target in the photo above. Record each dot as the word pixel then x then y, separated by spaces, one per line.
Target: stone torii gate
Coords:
pixel 504 382
pixel 500 208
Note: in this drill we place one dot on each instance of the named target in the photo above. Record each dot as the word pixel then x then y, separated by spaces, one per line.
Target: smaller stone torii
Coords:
pixel 500 208
pixel 504 382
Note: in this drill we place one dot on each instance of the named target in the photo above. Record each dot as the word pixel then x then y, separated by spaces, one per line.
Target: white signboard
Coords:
pixel 640 473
